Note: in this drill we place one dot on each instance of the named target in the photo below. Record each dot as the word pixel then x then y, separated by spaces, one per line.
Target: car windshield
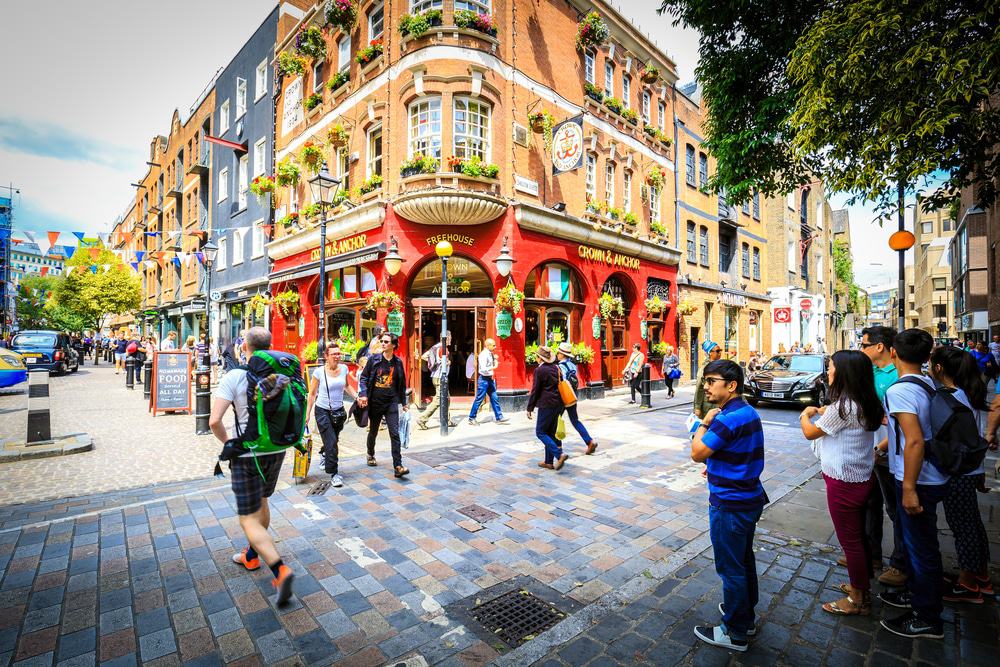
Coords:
pixel 34 340
pixel 803 362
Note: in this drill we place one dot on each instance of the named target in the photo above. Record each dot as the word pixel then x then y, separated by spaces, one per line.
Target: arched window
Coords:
pixel 554 281
pixel 554 308
pixel 465 279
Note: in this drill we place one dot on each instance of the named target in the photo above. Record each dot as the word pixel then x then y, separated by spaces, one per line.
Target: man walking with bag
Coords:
pixel 487 385
pixel 436 362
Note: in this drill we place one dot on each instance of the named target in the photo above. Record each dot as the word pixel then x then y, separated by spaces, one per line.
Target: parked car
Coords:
pixel 12 370
pixel 789 378
pixel 46 350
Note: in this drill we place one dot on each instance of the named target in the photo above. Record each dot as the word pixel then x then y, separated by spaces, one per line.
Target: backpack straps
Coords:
pixel 908 379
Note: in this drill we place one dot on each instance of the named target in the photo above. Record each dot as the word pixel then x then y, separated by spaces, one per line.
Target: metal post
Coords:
pixel 321 328
pixel 97 349
pixel 147 378
pixel 901 289
pixel 130 371
pixel 39 420
pixel 206 360
pixel 202 401
pixel 443 383
pixel 645 397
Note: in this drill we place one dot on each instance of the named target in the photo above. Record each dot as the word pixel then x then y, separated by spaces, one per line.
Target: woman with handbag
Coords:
pixel 568 385
pixel 671 369
pixel 546 397
pixel 633 370
pixel 327 387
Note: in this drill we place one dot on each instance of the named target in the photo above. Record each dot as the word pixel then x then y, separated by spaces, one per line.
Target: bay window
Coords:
pixel 425 128
pixel 471 129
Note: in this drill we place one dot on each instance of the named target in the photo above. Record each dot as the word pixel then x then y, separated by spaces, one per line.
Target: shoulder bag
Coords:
pixel 566 391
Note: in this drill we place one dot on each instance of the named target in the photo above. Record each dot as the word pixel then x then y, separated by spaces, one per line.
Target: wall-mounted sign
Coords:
pixel 782 315
pixel 518 325
pixel 805 304
pixel 450 238
pixel 292 113
pixel 525 185
pixel 608 257
pixel 567 145
pixel 334 248
pixel 736 300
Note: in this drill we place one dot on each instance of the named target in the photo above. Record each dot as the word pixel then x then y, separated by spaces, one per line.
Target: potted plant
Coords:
pixel 342 13
pixel 309 42
pixel 472 20
pixel 592 31
pixel 338 80
pixel 417 24
pixel 261 186
pixel 286 172
pixel 609 305
pixel 594 92
pixel 370 52
pixel 291 63
pixel 686 307
pixel 311 156
pixel 614 104
pixel 655 306
pixel 310 352
pixel 655 177
pixel 290 220
pixel 371 185
pixel 310 102
pixel 337 136
pixel 531 354
pixel 541 123
pixel 658 228
pixel 614 213
pixel 258 305
pixel 658 349
pixel 383 303
pixel 583 353
pixel 630 219
pixel 508 304
pixel 473 167
pixel 631 116
pixel 418 164
pixel 649 74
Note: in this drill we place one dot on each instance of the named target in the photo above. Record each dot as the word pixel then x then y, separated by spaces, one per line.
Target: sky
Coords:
pixel 81 106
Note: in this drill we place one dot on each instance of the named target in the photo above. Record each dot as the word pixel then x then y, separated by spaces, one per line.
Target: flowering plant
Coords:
pixel 686 307
pixel 389 300
pixel 591 31
pixel 286 172
pixel 372 184
pixel 583 353
pixel 609 305
pixel 337 136
pixel 311 156
pixel 287 303
pixel 310 210
pixel 614 104
pixel 309 42
pixel 542 121
pixel 655 305
pixel 291 63
pixel 614 213
pixel 655 177
pixel 370 52
pixel 510 298
pixel 630 219
pixel 467 18
pixel 261 186
pixel 338 80
pixel 418 24
pixel 649 74
pixel 342 13
pixel 630 115
pixel 658 228
pixel 418 164
pixel 658 349
pixel 455 163
pixel 289 220
pixel 258 302
pixel 474 166
pixel 593 92
pixel 312 101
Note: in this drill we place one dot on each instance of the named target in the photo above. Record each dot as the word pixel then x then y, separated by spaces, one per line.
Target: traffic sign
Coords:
pixel 782 315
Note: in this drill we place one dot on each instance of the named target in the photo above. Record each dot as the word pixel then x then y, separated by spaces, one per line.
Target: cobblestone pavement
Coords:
pixel 132 449
pixel 384 567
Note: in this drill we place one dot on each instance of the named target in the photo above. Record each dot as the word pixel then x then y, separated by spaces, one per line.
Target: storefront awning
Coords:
pixel 355 257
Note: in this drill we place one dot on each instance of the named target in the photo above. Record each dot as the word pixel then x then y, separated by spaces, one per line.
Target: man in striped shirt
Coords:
pixel 730 440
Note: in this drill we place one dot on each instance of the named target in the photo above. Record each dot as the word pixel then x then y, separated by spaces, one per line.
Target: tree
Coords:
pixel 31 298
pixel 859 92
pixel 843 268
pixel 96 295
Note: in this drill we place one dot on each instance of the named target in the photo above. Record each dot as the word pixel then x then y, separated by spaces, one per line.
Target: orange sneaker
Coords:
pixel 283 584
pixel 240 558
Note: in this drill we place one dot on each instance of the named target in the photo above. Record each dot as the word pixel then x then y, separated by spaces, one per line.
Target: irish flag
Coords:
pixel 557 280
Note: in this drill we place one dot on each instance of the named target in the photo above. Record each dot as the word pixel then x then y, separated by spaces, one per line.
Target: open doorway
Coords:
pixel 462 325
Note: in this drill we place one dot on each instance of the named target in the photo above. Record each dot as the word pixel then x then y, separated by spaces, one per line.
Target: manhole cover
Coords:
pixel 478 513
pixel 444 455
pixel 319 488
pixel 517 616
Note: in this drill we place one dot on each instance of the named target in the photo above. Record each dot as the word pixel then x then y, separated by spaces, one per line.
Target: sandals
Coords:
pixel 848 607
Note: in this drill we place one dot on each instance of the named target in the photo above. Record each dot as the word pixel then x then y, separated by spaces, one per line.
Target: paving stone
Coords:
pixel 152 621
pixel 275 646
pixel 156 644
pixel 77 643
pixel 116 644
pixel 235 645
pixel 195 644
pixel 188 620
pixel 225 621
pixel 579 651
pixel 40 619
pixel 83 660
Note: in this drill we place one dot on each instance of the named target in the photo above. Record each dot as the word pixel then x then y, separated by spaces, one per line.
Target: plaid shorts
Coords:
pixel 248 487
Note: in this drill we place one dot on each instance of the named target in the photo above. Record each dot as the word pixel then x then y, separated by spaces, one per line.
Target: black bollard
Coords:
pixel 202 401
pixel 39 421
pixel 147 378
pixel 645 401
pixel 130 372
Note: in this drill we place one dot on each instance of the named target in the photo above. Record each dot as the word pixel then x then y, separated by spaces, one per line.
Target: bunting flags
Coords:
pixel 94 253
pixel 69 270
pixel 139 254
pixel 79 236
pixel 93 268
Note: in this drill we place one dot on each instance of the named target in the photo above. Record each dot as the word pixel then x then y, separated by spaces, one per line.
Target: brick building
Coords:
pixel 932 271
pixel 461 93
pixel 970 277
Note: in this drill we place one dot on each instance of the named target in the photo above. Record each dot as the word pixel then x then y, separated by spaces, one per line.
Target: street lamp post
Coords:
pixel 203 376
pixel 901 241
pixel 208 252
pixel 324 189
pixel 444 250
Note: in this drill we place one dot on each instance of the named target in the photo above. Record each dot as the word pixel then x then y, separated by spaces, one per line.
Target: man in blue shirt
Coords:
pixel 730 441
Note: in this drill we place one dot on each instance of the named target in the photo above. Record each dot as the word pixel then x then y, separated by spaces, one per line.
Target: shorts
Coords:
pixel 119 356
pixel 248 487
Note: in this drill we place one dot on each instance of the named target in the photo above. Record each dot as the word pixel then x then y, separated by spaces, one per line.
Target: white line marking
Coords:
pixel 764 421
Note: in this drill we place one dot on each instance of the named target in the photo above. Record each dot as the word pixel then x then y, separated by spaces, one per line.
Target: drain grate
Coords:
pixel 319 488
pixel 517 616
pixel 478 513
pixel 444 455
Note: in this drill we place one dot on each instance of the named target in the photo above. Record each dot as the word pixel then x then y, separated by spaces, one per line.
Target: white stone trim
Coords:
pixel 353 221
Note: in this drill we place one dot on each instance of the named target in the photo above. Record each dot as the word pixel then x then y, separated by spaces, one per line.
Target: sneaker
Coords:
pixel 716 636
pixel 452 424
pixel 503 420
pixel 910 625
pixel 336 480
pixel 898 599
pixel 283 584
pixel 240 558
pixel 753 629
pixel 371 461
pixel 892 577
pixel 473 422
pixel 959 593
pixel 401 472
pixel 547 466
pixel 985 585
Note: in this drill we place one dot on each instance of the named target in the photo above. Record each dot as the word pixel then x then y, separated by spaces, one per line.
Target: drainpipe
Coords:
pixel 677 209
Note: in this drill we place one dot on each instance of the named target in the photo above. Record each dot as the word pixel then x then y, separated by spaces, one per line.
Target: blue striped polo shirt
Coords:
pixel 736 438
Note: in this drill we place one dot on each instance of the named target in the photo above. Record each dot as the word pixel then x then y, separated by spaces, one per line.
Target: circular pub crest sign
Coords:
pixel 567 146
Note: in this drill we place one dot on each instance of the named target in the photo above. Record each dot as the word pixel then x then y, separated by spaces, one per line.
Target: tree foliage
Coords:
pixel 32 296
pixel 859 92
pixel 96 296
pixel 843 268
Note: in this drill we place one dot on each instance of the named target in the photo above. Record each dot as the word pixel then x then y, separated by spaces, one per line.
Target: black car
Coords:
pixel 46 350
pixel 789 378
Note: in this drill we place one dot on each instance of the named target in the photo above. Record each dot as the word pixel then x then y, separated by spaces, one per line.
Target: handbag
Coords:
pixel 674 373
pixel 560 429
pixel 566 391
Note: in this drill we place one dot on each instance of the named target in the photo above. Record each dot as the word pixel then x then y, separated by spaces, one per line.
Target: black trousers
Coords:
pixel 391 416
pixel 330 424
pixel 635 385
pixel 670 384
pixel 885 491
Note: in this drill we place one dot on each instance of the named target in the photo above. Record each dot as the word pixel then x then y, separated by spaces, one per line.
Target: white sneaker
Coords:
pixel 750 633
pixel 336 480
pixel 716 636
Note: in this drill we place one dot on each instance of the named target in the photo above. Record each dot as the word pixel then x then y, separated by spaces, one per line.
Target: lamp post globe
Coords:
pixel 393 262
pixel 443 249
pixel 504 261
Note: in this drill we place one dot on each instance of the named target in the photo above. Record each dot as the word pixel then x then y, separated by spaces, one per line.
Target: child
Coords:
pixel 404 421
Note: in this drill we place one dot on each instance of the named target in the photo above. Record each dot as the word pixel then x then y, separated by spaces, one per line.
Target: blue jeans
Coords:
pixel 545 430
pixel 574 419
pixel 920 541
pixel 486 386
pixel 732 541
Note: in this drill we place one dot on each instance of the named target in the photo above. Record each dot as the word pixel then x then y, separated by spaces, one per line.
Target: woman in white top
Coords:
pixel 327 386
pixel 844 431
pixel 958 372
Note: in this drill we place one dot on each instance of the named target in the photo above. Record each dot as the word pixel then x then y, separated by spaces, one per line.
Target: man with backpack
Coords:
pixel 382 389
pixel 920 487
pixel 254 475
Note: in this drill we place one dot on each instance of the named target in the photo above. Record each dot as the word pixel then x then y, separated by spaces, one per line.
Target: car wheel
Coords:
pixel 821 397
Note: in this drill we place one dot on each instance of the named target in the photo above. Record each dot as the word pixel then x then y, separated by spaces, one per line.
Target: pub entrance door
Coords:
pixel 470 323
pixel 614 339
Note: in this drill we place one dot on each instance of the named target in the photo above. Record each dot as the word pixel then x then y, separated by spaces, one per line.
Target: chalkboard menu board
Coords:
pixel 171 389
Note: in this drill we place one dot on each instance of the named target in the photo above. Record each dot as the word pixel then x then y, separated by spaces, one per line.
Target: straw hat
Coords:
pixel 565 348
pixel 546 354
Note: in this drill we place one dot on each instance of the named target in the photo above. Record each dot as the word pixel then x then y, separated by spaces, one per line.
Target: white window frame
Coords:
pixel 223 184
pixel 376 7
pixel 424 142
pixel 481 120
pixel 478 6
pixel 819 267
pixel 609 183
pixel 243 183
pixel 224 117
pixel 257 245
pixel 344 53
pixel 661 108
pixel 589 63
pixel 791 200
pixel 627 191
pixel 317 70
pixel 241 97
pixel 626 91
pixel 342 164
pixel 590 182
pixel 370 158
pixel 260 80
pixel 927 227
pixel 423 5
pixel 654 204
pixel 609 78
pixel 238 243
pixel 220 255
pixel 259 157
pixel 645 107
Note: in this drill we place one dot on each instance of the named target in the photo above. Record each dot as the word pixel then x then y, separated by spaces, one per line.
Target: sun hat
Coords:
pixel 566 348
pixel 546 354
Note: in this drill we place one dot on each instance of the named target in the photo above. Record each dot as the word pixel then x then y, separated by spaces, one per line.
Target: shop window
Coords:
pixel 425 128
pixel 532 330
pixel 465 279
pixel 338 320
pixel 555 282
pixel 375 151
pixel 471 128
pixel 588 66
pixel 557 323
pixel 350 283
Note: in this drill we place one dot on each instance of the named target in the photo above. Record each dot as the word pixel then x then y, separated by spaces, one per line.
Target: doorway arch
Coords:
pixel 615 343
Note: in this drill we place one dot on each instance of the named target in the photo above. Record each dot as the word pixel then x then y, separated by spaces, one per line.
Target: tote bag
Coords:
pixel 566 391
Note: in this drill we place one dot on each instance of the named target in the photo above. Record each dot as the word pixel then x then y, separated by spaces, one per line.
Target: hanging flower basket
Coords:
pixel 655 306
pixel 309 42
pixel 388 300
pixel 291 63
pixel 509 299
pixel 655 178
pixel 592 31
pixel 609 306
pixel 288 304
pixel 649 74
pixel 541 123
pixel 686 308
pixel 337 136
pixel 311 156
pixel 258 305
pixel 341 13
pixel 261 187
pixel 286 173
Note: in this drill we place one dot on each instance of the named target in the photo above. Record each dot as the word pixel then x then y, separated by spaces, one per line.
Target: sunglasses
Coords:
pixel 386 341
pixel 865 346
pixel 712 380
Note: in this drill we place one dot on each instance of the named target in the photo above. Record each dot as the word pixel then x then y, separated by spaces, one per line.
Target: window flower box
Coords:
pixel 418 164
pixel 415 25
pixel 593 92
pixel 631 116
pixel 312 101
pixel 471 20
pixel 338 81
pixel 614 104
pixel 370 53
pixel 372 184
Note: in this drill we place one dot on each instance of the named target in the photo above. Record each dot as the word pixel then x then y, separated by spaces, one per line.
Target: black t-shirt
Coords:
pixel 120 346
pixel 383 385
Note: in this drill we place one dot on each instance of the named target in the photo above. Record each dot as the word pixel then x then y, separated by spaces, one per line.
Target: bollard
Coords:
pixel 97 353
pixel 130 372
pixel 39 421
pixel 202 401
pixel 645 401
pixel 147 378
